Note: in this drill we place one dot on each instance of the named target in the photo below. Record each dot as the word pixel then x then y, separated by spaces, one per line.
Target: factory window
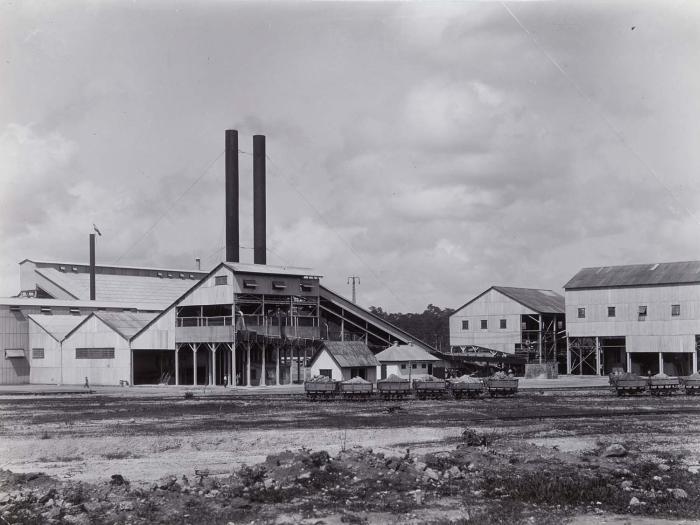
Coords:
pixel 422 365
pixel 220 279
pixel 484 324
pixel 503 324
pixel 465 325
pixel 74 311
pixel 94 353
pixel 306 287
pixel 279 285
pixel 45 309
pixel 403 366
pixel 560 325
pixel 37 353
pixel 327 372
pixel 249 283
pixel 611 311
pixel 581 313
pixel 642 313
pixel 414 366
pixel 15 308
pixel 675 310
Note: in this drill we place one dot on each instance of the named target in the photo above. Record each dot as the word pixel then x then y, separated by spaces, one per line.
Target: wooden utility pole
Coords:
pixel 354 278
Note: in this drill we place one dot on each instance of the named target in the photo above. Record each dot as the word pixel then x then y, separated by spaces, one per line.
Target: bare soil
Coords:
pixel 535 458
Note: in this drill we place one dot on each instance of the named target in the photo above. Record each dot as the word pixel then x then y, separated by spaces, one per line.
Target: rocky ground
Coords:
pixel 640 462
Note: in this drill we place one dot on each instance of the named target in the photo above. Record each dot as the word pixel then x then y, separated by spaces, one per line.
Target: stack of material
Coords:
pixel 320 379
pixel 427 378
pixel 357 380
pixel 626 376
pixel 500 375
pixel 661 375
pixel 393 378
pixel 466 379
pixel 696 375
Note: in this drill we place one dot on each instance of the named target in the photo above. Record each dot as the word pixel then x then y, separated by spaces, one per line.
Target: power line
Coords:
pixel 169 207
pixel 618 134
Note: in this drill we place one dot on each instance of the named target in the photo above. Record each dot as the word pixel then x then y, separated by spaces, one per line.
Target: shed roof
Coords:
pixel 404 353
pixel 350 353
pixel 652 274
pixel 119 288
pixel 271 270
pixel 57 326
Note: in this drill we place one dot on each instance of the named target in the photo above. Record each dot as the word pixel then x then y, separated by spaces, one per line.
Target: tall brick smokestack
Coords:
pixel 232 227
pixel 259 222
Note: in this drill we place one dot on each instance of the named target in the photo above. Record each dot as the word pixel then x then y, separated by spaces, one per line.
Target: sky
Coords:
pixel 433 149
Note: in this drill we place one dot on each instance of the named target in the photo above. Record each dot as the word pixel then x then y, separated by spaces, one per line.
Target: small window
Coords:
pixel 503 324
pixel 249 283
pixel 74 311
pixel 37 353
pixel 74 269
pixel 305 287
pixel 45 309
pixel 642 313
pixel 611 311
pixel 279 285
pixel 159 274
pixel 326 372
pixel 523 326
pixel 403 366
pixel 414 366
pixel 560 325
pixel 15 308
pixel 581 313
pixel 220 279
pixel 484 324
pixel 94 353
pixel 170 276
pixel 465 325
pixel 182 276
pixel 675 310
pixel 61 268
pixel 191 276
pixel 422 365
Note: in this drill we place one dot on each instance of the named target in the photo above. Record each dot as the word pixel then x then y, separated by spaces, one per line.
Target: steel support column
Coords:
pixel 177 365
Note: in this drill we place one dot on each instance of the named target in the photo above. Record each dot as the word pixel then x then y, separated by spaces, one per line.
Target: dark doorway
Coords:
pixel 678 364
pixel 383 372
pixel 154 367
pixel 613 353
pixel 645 363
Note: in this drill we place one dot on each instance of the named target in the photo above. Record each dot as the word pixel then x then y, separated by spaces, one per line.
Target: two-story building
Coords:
pixel 641 318
pixel 526 322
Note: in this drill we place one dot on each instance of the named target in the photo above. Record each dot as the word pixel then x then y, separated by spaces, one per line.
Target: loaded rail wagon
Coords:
pixel 356 390
pixel 325 390
pixel 628 384
pixel 434 389
pixel 691 384
pixel 501 387
pixel 462 389
pixel 394 388
pixel 663 385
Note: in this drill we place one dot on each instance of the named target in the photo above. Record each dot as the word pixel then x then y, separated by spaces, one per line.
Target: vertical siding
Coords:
pixel 492 306
pixel 48 369
pixel 208 292
pixel 659 332
pixel 159 336
pixel 325 361
pixel 14 333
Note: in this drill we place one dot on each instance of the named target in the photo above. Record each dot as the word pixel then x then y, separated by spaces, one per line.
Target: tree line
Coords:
pixel 432 326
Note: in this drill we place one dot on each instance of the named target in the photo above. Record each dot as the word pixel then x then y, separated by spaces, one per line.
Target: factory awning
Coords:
pixel 14 353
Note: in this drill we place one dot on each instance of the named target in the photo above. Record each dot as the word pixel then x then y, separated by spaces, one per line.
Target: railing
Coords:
pixel 204 321
pixel 269 325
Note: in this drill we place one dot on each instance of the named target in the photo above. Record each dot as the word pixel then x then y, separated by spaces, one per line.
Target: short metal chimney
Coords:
pixel 198 263
pixel 232 226
pixel 259 223
pixel 92 266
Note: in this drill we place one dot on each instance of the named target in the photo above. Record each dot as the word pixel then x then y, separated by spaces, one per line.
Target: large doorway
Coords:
pixel 613 354
pixel 154 367
pixel 678 364
pixel 644 363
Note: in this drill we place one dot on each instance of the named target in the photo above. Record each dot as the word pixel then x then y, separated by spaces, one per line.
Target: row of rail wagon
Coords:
pixel 396 388
pixel 658 385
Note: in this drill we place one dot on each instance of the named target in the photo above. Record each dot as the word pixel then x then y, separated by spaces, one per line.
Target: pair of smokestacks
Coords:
pixel 232 222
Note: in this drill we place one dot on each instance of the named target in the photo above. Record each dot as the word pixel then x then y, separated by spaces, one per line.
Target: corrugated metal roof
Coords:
pixel 404 353
pixel 198 273
pixel 541 301
pixel 351 353
pixel 120 288
pixel 636 275
pixel 71 303
pixel 57 326
pixel 126 324
pixel 271 270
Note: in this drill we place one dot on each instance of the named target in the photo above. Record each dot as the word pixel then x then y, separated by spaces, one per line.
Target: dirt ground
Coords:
pixel 536 458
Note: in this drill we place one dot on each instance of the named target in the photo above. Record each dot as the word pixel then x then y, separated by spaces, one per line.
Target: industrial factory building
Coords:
pixel 642 318
pixel 238 324
pixel 527 323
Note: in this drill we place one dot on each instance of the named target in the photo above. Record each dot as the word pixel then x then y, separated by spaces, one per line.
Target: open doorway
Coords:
pixel 613 354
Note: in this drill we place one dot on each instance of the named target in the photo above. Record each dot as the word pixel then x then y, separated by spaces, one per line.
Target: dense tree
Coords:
pixel 432 326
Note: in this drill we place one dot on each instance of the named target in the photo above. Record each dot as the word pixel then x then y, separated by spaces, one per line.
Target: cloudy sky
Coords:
pixel 433 149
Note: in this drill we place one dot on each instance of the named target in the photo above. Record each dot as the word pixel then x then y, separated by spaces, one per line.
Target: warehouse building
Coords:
pixel 238 324
pixel 642 318
pixel 527 323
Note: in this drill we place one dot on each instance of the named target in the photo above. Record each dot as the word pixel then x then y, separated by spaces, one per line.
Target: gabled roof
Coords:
pixel 652 274
pixel 126 324
pixel 539 300
pixel 404 353
pixel 271 270
pixel 57 326
pixel 349 354
pixel 119 288
pixel 69 303
pixel 113 266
